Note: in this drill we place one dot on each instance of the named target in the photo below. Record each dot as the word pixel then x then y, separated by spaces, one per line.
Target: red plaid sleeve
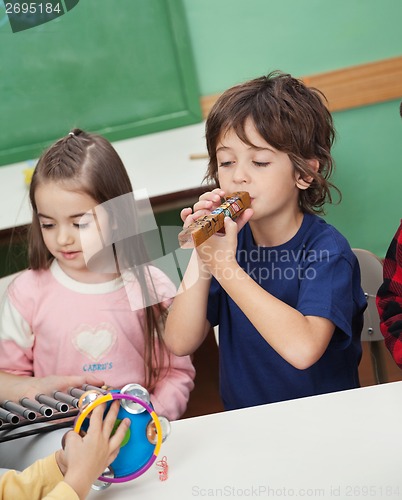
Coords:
pixel 389 298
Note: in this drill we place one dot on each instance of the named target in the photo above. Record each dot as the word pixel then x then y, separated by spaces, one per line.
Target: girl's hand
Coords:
pixel 29 387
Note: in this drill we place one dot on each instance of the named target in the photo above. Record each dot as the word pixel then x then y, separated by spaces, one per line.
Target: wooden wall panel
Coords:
pixel 350 87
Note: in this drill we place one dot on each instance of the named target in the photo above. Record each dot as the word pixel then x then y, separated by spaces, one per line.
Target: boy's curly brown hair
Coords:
pixel 289 116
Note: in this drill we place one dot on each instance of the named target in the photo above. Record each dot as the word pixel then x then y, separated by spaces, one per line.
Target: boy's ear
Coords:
pixel 304 182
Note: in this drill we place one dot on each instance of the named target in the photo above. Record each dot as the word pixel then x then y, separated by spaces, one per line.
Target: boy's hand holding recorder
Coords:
pixel 206 225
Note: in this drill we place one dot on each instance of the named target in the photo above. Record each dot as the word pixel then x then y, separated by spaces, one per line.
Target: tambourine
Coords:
pixel 143 439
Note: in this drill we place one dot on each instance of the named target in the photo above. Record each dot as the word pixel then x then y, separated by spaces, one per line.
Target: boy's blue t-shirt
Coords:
pixel 315 272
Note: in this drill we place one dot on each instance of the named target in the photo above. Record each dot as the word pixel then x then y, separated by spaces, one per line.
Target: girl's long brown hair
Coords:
pixel 89 164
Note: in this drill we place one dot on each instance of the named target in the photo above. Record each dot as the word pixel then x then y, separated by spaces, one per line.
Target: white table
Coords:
pixel 341 445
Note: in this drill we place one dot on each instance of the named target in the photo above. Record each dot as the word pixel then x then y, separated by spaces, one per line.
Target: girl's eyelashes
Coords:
pixel 78 225
pixel 46 225
pixel 225 163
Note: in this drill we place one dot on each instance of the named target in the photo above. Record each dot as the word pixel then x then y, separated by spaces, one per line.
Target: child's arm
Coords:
pixel 171 394
pixel 16 387
pixel 42 480
pixel 187 325
pixel 81 462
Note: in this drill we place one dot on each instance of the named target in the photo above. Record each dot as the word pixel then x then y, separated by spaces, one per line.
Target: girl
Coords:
pixel 283 285
pixel 88 305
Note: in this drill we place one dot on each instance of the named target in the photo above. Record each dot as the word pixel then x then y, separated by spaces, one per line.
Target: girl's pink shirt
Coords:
pixel 51 324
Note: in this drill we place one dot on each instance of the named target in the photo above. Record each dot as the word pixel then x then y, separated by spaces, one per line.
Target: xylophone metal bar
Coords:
pixel 44 414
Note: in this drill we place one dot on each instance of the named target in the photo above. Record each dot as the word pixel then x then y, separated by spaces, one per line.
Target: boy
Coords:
pixel 283 285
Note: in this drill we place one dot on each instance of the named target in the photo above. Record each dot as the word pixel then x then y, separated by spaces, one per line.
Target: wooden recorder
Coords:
pixel 204 227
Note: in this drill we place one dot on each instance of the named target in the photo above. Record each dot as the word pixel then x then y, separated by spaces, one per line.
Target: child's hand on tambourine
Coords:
pixel 83 459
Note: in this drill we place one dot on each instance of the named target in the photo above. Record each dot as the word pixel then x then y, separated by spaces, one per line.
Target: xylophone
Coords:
pixel 204 227
pixel 43 414
pixel 140 447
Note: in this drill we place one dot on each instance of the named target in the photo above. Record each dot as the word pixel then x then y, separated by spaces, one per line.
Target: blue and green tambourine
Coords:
pixel 143 440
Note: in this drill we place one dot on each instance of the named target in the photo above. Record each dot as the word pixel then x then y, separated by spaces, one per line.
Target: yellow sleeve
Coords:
pixel 42 480
pixel 62 492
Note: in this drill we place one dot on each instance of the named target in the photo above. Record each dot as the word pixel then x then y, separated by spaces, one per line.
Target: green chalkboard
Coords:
pixel 121 68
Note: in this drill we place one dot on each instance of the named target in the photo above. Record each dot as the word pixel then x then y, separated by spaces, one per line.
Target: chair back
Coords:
pixel 371 270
